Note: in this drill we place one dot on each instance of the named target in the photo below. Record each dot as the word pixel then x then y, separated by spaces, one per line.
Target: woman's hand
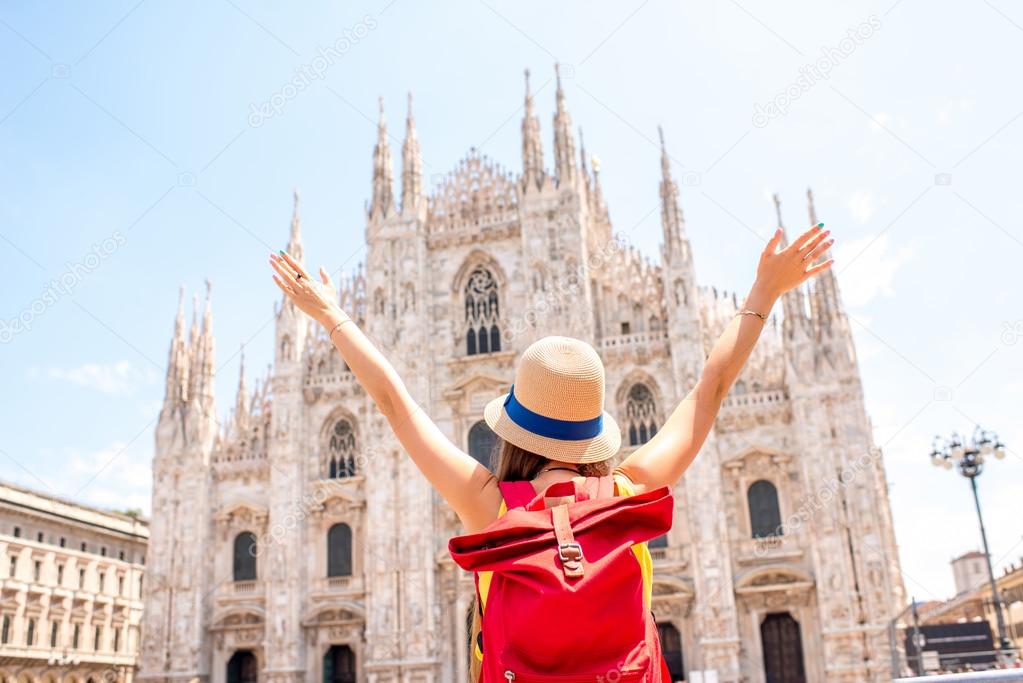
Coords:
pixel 318 300
pixel 780 271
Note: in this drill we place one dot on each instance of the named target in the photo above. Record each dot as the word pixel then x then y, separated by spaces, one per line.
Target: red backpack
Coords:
pixel 565 600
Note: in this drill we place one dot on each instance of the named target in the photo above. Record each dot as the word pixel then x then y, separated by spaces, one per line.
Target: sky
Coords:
pixel 149 145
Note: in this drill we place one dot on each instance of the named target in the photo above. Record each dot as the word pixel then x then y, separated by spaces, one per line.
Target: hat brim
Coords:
pixel 597 449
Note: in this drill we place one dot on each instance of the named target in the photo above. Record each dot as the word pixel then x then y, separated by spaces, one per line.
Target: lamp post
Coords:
pixel 968 457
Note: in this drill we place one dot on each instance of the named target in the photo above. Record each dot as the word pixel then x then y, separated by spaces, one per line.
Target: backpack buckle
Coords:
pixel 570 552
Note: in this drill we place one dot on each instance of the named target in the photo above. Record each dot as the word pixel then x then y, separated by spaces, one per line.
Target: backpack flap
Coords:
pixel 524 532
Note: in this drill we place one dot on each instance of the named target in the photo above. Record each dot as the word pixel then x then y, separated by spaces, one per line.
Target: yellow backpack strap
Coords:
pixel 624 487
pixel 483 587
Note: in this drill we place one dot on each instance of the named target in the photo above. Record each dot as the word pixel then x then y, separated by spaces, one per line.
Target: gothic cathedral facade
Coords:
pixel 296 541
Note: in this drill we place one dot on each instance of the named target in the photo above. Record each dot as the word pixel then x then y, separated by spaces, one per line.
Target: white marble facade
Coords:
pixel 782 555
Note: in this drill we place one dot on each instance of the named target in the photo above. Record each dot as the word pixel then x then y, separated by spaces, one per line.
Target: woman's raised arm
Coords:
pixel 464 483
pixel 664 458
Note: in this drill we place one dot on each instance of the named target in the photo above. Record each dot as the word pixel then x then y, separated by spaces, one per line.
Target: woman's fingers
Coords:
pixel 284 288
pixel 817 250
pixel 286 273
pixel 813 270
pixel 810 249
pixel 295 265
pixel 325 277
pixel 806 236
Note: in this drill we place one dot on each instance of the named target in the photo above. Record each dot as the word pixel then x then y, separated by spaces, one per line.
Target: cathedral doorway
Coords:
pixel 242 668
pixel 671 648
pixel 339 665
pixel 783 649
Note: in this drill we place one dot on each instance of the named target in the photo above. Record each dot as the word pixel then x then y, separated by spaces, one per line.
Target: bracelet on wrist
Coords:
pixel 334 329
pixel 747 311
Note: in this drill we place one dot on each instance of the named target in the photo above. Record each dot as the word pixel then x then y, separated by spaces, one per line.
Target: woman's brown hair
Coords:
pixel 511 463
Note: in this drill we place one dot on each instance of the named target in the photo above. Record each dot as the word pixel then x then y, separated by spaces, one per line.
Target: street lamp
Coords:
pixel 969 456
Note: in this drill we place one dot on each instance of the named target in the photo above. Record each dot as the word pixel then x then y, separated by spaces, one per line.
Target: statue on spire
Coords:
pixel 564 145
pixel 383 176
pixel 672 222
pixel 411 165
pixel 295 236
pixel 532 151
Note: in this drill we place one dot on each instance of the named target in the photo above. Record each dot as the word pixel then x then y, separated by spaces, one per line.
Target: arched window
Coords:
pixel 640 414
pixel 482 313
pixel 671 648
pixel 481 442
pixel 339 550
pixel 764 515
pixel 341 450
pixel 245 556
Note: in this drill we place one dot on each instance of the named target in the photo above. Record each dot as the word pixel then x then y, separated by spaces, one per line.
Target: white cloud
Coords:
pixel 114 477
pixel 118 477
pixel 867 268
pixel 117 379
pixel 861 205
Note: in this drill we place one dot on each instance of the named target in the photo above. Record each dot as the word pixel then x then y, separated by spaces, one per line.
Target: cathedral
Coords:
pixel 295 541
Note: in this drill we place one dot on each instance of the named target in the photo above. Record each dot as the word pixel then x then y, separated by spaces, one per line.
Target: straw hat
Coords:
pixel 556 406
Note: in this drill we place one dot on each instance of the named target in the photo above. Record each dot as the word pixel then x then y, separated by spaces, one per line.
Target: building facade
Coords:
pixel 298 542
pixel 70 590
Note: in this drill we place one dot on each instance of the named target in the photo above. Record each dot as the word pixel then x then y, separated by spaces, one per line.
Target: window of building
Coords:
pixel 482 441
pixel 5 630
pixel 339 550
pixel 245 556
pixel 120 555
pixel 117 640
pixel 640 414
pixel 63 542
pixel 83 546
pixel 53 633
pixel 482 313
pixel 764 514
pixel 97 638
pixel 30 634
pixel 14 566
pixel 341 450
pixel 120 584
pixel 81 578
pixel 74 636
pixel 103 551
pixel 37 567
pixel 40 536
pixel 60 574
pixel 17 532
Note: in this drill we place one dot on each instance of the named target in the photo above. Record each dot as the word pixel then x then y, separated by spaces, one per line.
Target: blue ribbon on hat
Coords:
pixel 552 428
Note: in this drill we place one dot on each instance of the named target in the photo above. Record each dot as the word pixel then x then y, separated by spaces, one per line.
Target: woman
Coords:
pixel 556 440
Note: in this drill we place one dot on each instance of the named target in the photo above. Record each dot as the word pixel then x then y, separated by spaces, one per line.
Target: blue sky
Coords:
pixel 131 166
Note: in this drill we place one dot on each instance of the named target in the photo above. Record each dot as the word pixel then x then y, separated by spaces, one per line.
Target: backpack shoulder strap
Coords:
pixel 516 493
